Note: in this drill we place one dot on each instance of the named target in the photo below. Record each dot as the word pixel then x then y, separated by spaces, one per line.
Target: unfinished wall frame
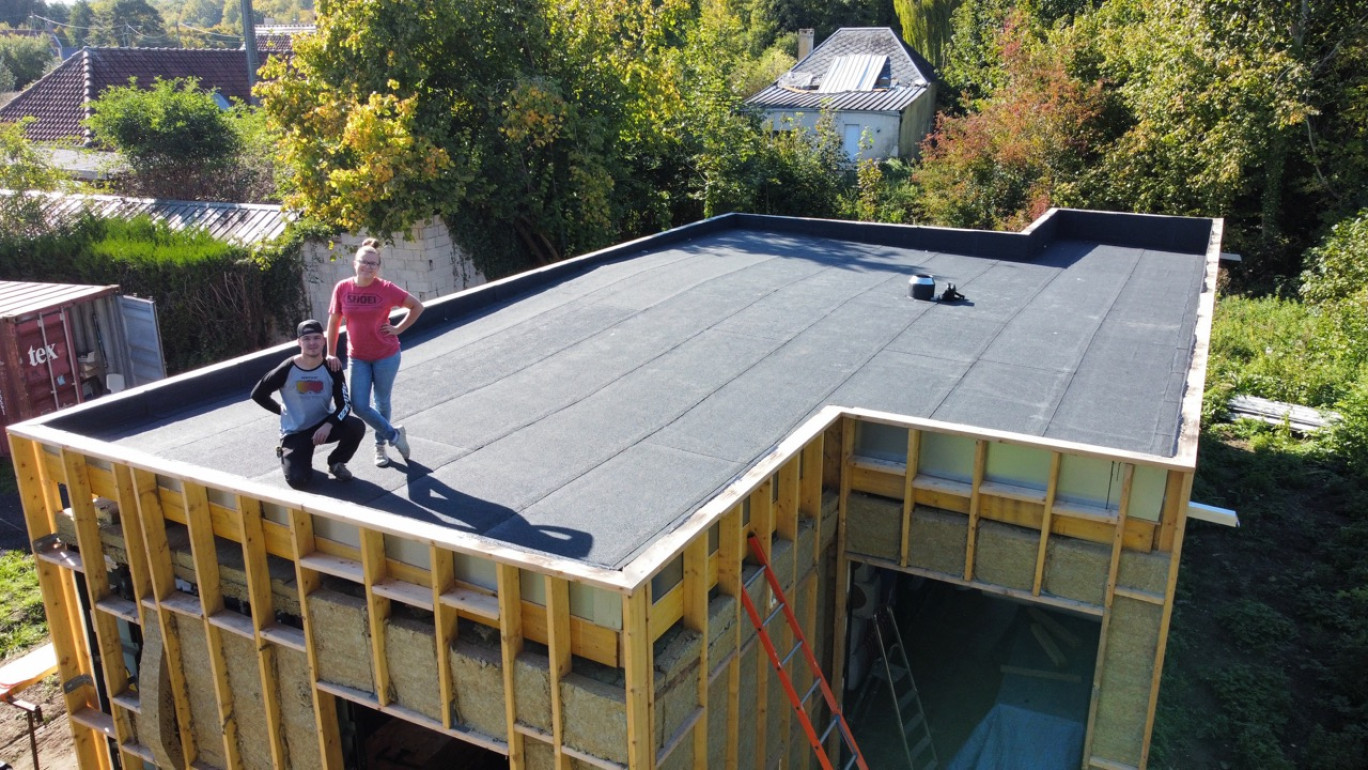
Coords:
pixel 221 569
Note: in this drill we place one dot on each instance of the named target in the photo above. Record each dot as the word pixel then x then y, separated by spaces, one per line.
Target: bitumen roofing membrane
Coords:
pixel 585 410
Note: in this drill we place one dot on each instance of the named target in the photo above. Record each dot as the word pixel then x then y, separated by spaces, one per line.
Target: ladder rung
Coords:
pixel 759 575
pixel 776 612
pixel 913 723
pixel 790 654
pixel 816 685
pixel 921 745
pixel 850 762
pixel 830 726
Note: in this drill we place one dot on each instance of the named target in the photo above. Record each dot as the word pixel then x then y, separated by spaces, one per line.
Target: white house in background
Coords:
pixel 873 82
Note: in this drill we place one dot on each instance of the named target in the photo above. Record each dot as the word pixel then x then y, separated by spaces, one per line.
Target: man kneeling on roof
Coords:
pixel 316 409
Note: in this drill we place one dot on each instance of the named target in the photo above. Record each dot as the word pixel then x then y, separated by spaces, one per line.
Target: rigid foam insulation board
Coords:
pixel 1147 572
pixel 199 684
pixel 342 639
pixel 1128 674
pixel 411 652
pixel 874 526
pixel 937 540
pixel 249 708
pixel 157 720
pixel 1076 569
pixel 295 689
pixel 1005 555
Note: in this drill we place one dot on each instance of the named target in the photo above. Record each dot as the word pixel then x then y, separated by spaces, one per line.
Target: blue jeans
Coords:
pixel 371 385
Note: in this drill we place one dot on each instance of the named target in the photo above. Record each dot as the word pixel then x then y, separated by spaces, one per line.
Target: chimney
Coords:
pixel 804 43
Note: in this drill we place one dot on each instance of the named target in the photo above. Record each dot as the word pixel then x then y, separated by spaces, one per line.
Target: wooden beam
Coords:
pixel 511 645
pixel 975 502
pixel 1051 488
pixel 842 582
pixel 259 595
pixel 1181 489
pixel 908 496
pixel 1113 569
pixel 696 585
pixel 444 617
pixel 308 581
pixel 558 660
pixel 374 570
pixel 163 584
pixel 637 655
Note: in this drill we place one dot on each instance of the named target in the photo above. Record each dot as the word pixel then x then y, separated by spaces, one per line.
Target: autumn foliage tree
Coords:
pixel 1022 150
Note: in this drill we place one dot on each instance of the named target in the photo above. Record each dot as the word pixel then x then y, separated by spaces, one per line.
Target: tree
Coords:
pixel 531 121
pixel 180 144
pixel 22 168
pixel 125 23
pixel 926 26
pixel 1025 146
pixel 26 58
pixel 81 23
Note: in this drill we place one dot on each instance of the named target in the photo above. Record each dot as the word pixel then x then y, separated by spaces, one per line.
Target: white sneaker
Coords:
pixel 381 459
pixel 400 441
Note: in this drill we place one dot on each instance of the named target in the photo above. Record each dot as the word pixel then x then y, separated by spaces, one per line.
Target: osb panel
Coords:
pixel 1076 569
pixel 595 718
pixel 532 687
pixel 1145 571
pixel 199 680
pixel 1123 701
pixel 1006 555
pixel 478 676
pixel 873 526
pixel 244 677
pixel 342 640
pixel 157 723
pixel 295 690
pixel 411 651
pixel 937 540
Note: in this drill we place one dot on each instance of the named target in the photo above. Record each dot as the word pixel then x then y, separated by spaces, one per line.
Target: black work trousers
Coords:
pixel 297 449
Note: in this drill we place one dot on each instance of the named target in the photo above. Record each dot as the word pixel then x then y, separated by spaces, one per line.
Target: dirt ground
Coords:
pixel 55 750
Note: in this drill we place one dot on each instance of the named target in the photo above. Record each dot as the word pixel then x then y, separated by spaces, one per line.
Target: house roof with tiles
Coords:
pixel 61 99
pixel 857 68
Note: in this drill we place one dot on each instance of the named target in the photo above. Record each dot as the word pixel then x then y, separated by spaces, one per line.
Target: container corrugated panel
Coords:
pixel 39 370
pixel 244 224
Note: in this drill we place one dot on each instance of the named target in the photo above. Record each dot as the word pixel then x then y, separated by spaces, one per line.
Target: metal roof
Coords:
pixel 857 68
pixel 19 298
pixel 244 224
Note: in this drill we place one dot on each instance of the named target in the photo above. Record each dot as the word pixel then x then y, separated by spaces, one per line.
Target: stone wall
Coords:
pixel 425 262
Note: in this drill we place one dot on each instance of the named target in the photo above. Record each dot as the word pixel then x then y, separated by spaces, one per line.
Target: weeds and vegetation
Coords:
pixel 22 623
pixel 214 300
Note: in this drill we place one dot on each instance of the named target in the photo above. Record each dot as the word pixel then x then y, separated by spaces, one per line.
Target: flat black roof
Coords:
pixel 583 410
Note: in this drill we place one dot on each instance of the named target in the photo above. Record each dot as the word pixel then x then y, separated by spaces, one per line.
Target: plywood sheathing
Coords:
pixel 1006 555
pixel 342 639
pixel 1147 572
pixel 249 710
pixel 411 652
pixel 1128 670
pixel 157 722
pixel 199 682
pixel 297 710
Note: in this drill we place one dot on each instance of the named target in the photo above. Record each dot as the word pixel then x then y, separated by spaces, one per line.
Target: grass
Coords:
pixel 22 623
pixel 1267 662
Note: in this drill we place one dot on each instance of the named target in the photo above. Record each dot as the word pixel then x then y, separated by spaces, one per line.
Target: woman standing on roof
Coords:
pixel 364 303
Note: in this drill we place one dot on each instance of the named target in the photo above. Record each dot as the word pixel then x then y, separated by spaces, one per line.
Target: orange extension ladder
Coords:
pixel 817 741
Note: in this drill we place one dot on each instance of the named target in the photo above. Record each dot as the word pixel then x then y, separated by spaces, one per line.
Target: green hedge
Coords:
pixel 214 300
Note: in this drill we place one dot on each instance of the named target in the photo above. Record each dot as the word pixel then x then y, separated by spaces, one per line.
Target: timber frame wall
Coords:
pixel 730 701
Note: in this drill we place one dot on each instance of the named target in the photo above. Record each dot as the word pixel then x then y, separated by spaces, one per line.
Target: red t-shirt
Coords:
pixel 365 310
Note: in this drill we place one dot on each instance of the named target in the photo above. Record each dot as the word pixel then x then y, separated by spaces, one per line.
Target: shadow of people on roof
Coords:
pixel 431 500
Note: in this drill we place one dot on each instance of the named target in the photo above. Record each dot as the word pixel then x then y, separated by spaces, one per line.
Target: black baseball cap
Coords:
pixel 308 327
